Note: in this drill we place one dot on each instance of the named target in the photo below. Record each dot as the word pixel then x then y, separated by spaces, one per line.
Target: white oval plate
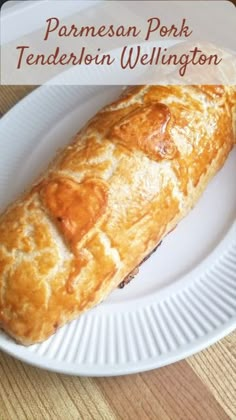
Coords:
pixel 184 297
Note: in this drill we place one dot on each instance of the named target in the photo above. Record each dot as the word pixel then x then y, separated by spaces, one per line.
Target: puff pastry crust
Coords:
pixel 107 200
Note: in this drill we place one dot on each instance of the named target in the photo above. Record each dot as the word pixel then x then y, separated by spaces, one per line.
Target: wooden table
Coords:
pixel 203 387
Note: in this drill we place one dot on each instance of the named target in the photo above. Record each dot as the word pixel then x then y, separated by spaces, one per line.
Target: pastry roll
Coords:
pixel 106 201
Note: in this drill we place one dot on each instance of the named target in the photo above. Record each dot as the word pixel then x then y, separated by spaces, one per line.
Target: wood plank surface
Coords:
pixel 202 387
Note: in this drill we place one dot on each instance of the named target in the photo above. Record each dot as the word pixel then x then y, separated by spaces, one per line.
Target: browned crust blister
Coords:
pixel 107 200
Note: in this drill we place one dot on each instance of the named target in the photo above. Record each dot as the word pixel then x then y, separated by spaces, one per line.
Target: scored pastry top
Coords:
pixel 105 202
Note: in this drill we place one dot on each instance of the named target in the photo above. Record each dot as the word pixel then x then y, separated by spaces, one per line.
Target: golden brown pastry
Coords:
pixel 107 200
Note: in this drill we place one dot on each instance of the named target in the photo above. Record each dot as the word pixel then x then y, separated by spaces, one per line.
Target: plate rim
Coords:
pixel 88 371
